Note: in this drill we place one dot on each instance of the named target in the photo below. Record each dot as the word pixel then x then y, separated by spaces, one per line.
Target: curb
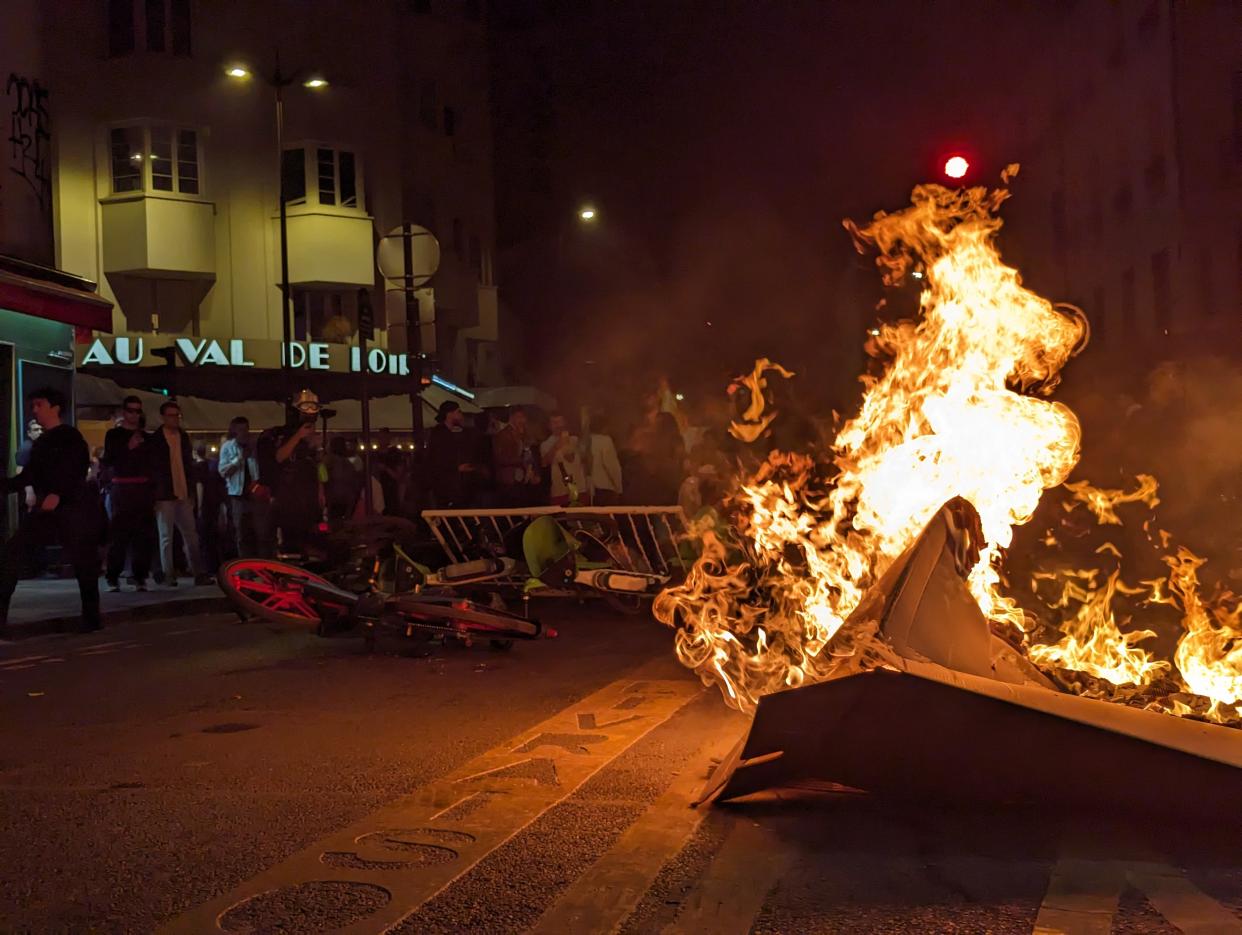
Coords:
pixel 182 606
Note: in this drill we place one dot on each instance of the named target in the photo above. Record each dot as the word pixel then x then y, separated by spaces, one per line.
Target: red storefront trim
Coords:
pixel 54 303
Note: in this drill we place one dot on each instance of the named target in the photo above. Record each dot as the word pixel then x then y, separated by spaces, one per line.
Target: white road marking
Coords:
pixel 601 898
pixel 445 811
pixel 1083 896
pixel 21 659
pixel 521 794
pixel 1181 902
pixel 729 895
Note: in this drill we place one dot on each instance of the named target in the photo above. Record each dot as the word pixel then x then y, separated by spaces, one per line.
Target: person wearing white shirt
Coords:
pixel 562 458
pixel 605 471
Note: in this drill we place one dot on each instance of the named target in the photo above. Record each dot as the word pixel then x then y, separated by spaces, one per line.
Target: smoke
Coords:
pixel 738 279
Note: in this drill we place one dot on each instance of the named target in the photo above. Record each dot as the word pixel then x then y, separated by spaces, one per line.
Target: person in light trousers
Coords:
pixel 250 504
pixel 171 469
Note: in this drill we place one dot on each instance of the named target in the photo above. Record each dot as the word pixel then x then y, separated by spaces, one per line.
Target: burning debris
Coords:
pixel 948 691
pixel 957 431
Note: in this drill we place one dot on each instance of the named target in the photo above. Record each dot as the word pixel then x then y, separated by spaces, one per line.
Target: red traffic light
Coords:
pixel 956 167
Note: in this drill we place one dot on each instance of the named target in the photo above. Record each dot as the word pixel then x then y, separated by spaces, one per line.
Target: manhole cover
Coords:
pixel 318 906
pixel 228 728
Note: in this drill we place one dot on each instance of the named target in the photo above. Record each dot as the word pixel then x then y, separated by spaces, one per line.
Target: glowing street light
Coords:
pixel 586 213
pixel 278 80
pixel 956 167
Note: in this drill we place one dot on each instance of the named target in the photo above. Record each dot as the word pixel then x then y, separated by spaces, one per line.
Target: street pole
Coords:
pixel 365 325
pixel 286 301
pixel 414 341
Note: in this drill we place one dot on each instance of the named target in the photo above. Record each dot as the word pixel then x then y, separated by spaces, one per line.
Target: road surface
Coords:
pixel 197 774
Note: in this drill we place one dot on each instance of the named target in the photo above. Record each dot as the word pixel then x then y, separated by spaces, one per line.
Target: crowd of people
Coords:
pixel 153 505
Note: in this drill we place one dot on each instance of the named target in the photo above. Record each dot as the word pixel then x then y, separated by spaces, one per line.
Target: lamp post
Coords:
pixel 278 81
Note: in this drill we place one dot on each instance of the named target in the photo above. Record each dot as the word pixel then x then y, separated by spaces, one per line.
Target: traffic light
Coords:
pixel 956 167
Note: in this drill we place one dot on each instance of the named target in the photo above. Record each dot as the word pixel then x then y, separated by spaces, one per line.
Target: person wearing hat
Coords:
pixel 453 462
pixel 288 466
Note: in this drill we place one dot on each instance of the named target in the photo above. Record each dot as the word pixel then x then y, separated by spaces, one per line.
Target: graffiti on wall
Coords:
pixel 30 136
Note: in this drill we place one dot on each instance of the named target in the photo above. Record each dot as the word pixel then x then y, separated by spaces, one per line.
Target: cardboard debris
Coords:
pixel 963 716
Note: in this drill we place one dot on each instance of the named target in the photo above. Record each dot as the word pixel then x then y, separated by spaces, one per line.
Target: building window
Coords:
pixel 335 181
pixel 157 25
pixel 163 25
pixel 154 159
pixel 127 159
pixel 1160 289
pixel 179 23
pixel 120 27
pixel 1128 314
pixel 324 315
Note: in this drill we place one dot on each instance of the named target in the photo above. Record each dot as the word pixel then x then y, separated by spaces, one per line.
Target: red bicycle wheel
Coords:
pixel 271 590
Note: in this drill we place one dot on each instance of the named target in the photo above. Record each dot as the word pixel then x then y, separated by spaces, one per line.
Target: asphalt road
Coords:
pixel 198 775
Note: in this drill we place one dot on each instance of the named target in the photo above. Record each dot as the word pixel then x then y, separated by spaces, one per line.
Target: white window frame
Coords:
pixel 310 166
pixel 147 177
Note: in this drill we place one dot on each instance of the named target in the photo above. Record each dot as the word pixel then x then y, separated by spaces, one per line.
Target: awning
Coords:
pixel 202 415
pixel 54 302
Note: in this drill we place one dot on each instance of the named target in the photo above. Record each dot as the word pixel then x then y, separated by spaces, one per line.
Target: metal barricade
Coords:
pixel 637 538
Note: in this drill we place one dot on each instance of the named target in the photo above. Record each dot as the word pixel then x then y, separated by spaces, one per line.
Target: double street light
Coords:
pixel 278 81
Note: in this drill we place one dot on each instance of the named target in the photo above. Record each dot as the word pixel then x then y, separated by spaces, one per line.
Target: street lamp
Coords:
pixel 278 81
pixel 587 214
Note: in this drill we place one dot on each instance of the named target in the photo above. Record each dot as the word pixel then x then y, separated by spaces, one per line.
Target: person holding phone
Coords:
pixel 289 468
pixel 561 456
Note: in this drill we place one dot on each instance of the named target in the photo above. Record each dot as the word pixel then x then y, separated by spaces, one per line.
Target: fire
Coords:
pixel 1093 643
pixel 1104 502
pixel 1209 654
pixel 960 409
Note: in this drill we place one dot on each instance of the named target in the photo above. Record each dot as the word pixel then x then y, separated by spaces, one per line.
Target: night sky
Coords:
pixel 723 143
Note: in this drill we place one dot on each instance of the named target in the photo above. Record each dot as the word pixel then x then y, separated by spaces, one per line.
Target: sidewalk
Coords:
pixel 44 605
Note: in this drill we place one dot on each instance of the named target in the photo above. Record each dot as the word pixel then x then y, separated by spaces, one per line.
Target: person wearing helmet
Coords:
pixel 288 466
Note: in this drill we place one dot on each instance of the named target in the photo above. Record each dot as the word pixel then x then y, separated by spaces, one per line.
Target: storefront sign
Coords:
pixel 137 351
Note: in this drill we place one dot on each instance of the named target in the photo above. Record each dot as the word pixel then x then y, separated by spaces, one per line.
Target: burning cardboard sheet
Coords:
pixel 957 713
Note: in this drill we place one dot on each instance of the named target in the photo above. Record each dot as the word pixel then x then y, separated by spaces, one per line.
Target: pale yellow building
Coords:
pixel 166 175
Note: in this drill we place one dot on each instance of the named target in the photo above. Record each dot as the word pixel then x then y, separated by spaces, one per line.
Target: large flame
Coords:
pixel 1209 654
pixel 1093 643
pixel 959 410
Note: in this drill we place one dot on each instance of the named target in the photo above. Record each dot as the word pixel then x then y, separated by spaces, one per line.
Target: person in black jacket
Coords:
pixel 453 459
pixel 65 510
pixel 127 458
